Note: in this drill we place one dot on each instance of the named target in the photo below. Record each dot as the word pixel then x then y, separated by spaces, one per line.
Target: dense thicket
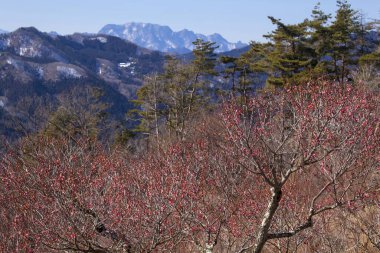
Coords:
pixel 268 171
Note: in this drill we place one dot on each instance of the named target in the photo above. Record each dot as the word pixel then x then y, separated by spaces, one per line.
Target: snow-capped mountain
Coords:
pixel 164 39
pixel 3 31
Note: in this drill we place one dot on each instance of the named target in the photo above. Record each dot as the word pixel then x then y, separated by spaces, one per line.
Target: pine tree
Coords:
pixel 204 57
pixel 320 41
pixel 150 103
pixel 169 100
pixel 239 72
pixel 286 57
pixel 230 71
pixel 299 52
pixel 343 28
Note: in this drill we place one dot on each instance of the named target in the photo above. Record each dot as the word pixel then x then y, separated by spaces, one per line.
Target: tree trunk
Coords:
pixel 272 207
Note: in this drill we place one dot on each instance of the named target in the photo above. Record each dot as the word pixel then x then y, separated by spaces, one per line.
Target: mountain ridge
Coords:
pixel 37 70
pixel 164 39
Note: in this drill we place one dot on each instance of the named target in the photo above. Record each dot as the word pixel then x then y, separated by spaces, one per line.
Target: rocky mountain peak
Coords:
pixel 164 39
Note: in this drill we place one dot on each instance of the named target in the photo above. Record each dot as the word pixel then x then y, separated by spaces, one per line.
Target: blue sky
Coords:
pixel 244 20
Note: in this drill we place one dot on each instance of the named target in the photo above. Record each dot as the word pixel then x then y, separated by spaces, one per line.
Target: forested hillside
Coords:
pixel 40 73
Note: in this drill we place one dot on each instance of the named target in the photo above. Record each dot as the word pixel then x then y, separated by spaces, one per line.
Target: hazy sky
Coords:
pixel 244 20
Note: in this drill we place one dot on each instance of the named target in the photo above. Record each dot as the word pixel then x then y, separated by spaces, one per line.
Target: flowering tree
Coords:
pixel 264 171
pixel 62 196
pixel 313 147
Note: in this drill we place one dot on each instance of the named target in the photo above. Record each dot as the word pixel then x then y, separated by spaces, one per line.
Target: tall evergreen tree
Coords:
pixel 149 100
pixel 320 41
pixel 317 47
pixel 230 71
pixel 239 73
pixel 345 25
pixel 286 57
pixel 204 57
pixel 171 99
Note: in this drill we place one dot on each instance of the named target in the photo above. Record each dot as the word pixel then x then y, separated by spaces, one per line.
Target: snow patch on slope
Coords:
pixel 100 39
pixel 29 51
pixel 68 72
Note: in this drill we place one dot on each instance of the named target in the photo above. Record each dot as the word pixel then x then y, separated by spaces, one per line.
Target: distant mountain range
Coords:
pixel 28 54
pixel 2 31
pixel 164 39
pixel 37 69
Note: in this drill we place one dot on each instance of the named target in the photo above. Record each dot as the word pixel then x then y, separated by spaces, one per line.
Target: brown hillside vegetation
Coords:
pixel 294 170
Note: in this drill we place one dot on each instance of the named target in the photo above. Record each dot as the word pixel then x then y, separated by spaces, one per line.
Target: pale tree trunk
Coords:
pixel 209 247
pixel 155 91
pixel 272 207
pixel 262 235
